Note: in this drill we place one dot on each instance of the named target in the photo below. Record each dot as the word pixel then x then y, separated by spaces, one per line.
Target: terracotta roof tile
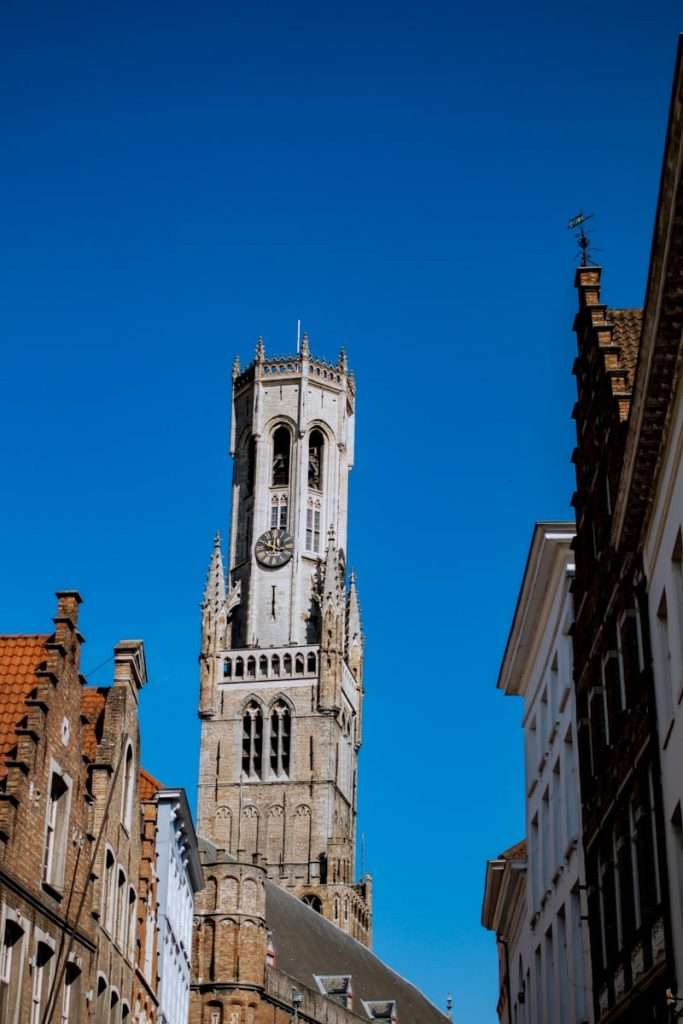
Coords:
pixel 20 656
pixel 149 786
pixel 92 713
pixel 628 325
pixel 516 852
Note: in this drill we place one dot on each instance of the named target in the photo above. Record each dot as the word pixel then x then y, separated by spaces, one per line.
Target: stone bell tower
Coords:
pixel 281 662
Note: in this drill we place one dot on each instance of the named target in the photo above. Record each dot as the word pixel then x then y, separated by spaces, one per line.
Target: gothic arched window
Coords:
pixel 280 728
pixel 251 465
pixel 316 447
pixel 252 734
pixel 278 512
pixel 276 665
pixel 281 449
pixel 313 526
pixel 310 662
pixel 263 665
pixel 287 663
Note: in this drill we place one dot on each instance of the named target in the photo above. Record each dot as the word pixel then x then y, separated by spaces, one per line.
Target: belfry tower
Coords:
pixel 281 663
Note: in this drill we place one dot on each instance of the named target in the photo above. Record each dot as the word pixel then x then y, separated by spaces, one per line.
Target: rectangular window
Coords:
pixel 71 1001
pixel 630 652
pixel 109 895
pixel 309 529
pixel 274 508
pixel 664 681
pixel 57 827
pixel 676 616
pixel 545 840
pixel 559 844
pixel 283 515
pixel 531 752
pixel 572 798
pixel 40 985
pixel 11 968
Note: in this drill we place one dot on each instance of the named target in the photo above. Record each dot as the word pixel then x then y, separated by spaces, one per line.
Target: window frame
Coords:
pixel 56 829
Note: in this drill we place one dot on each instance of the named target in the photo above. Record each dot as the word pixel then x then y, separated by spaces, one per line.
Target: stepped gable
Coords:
pixel 149 786
pixel 20 657
pixel 307 944
pixel 628 326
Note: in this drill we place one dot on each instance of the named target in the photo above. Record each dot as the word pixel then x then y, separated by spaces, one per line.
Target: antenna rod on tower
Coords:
pixel 298 336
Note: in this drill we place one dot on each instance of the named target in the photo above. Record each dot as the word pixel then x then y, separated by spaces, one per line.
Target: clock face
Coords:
pixel 274 548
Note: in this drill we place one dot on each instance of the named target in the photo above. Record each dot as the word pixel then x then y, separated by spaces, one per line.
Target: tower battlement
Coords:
pixel 268 367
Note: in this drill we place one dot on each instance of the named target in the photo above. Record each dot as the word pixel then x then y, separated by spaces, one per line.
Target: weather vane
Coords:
pixel 581 236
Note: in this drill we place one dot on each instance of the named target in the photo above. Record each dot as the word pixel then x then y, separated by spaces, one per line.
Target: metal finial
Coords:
pixel 581 236
pixel 342 360
pixel 235 367
pixel 304 344
pixel 260 350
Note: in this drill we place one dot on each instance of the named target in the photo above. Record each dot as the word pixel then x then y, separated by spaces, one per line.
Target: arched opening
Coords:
pixel 251 465
pixel 299 664
pixel 227 668
pixel 252 738
pixel 263 665
pixel 275 663
pixel 239 667
pixel 251 668
pixel 313 902
pixel 281 454
pixel 316 451
pixel 310 663
pixel 280 729
pixel 287 662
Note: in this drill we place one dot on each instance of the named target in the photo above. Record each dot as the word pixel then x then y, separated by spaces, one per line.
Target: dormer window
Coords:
pixel 336 987
pixel 281 452
pixel 381 1009
pixel 316 448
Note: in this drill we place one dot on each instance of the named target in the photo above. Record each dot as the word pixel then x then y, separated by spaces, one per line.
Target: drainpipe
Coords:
pixel 503 942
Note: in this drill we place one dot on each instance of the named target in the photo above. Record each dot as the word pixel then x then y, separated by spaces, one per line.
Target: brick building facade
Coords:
pixel 78 884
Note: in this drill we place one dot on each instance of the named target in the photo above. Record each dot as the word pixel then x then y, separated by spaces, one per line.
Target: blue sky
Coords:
pixel 180 178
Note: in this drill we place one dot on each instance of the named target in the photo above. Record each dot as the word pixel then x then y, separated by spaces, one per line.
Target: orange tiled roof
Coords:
pixel 92 709
pixel 20 656
pixel 516 852
pixel 149 786
pixel 628 325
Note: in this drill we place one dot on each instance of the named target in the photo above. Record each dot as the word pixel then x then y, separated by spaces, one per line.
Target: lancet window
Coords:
pixel 280 731
pixel 252 740
pixel 316 448
pixel 278 512
pixel 281 457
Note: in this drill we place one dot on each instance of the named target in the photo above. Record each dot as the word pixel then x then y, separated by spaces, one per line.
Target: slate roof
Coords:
pixel 307 944
pixel 628 325
pixel 20 656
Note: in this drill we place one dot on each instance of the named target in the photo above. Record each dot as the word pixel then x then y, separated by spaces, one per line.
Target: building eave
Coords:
pixel 194 866
pixel 659 356
pixel 546 561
